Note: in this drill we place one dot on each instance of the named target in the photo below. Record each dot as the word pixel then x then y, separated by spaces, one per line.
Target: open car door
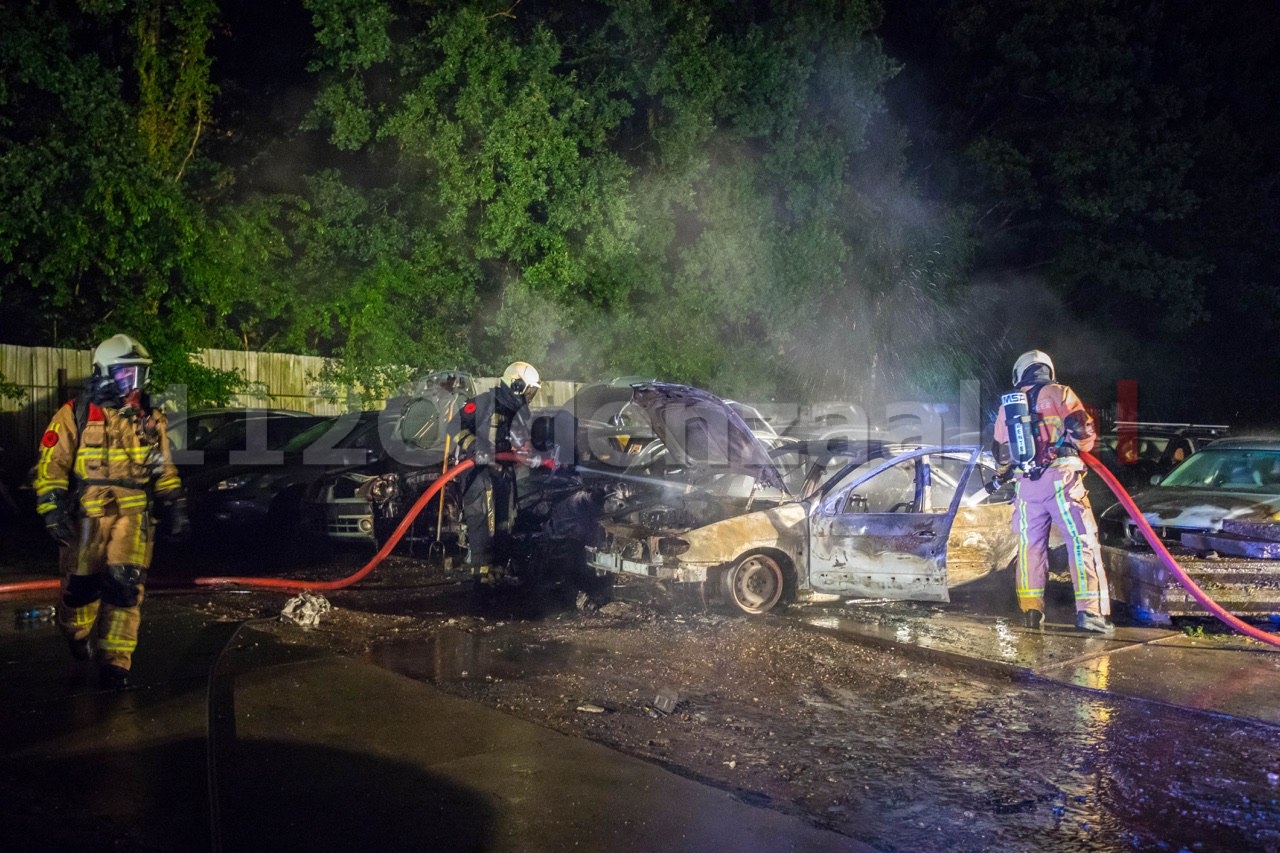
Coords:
pixel 882 530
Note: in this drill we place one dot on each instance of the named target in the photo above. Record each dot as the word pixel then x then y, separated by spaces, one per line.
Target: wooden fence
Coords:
pixel 51 376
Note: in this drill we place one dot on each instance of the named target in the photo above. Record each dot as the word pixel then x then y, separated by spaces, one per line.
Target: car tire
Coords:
pixel 755 584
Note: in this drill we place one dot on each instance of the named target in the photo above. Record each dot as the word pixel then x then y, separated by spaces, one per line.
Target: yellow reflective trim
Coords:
pixel 1077 545
pixel 140 543
pixel 83 617
pixel 1023 586
pixel 115 643
pixel 46 457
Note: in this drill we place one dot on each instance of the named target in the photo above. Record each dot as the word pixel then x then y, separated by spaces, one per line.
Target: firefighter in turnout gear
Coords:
pixel 103 476
pixel 1039 434
pixel 496 421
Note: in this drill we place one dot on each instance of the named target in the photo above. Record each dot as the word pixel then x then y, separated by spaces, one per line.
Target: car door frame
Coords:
pixel 884 554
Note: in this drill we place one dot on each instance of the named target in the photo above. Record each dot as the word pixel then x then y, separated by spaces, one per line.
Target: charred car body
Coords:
pixel 805 521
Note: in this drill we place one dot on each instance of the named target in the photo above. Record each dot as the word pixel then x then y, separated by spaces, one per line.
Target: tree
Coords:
pixel 1115 156
pixel 102 228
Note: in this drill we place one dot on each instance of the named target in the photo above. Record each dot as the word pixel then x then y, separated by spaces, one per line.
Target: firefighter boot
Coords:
pixel 81 649
pixel 1033 620
pixel 1092 623
pixel 113 677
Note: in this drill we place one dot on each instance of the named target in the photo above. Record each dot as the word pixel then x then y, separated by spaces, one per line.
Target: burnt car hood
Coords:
pixel 705 432
pixel 1202 509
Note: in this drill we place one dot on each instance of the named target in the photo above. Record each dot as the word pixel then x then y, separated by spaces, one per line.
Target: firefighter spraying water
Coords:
pixel 496 422
pixel 1042 430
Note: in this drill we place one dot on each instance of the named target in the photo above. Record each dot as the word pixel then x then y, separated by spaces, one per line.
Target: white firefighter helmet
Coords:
pixel 522 378
pixel 123 359
pixel 1029 358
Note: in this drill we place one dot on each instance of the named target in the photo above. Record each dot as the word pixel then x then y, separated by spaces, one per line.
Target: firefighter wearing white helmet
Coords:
pixel 492 423
pixel 104 465
pixel 522 378
pixel 1039 434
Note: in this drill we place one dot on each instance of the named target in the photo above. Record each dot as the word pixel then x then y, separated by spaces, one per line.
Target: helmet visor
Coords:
pixel 129 377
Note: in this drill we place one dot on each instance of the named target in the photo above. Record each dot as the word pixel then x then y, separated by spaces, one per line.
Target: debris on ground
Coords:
pixel 666 700
pixel 305 609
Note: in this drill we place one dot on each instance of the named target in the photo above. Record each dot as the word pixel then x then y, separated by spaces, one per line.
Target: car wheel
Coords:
pixel 755 583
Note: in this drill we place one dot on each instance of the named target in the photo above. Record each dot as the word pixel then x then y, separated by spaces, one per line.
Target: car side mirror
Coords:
pixel 1155 479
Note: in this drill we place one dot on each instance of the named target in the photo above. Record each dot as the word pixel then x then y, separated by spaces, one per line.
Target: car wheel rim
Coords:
pixel 756 584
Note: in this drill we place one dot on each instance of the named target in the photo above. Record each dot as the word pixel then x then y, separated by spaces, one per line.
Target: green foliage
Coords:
pixel 174 90
pixel 10 390
pixel 1085 115
pixel 203 386
pixel 704 191
pixel 99 233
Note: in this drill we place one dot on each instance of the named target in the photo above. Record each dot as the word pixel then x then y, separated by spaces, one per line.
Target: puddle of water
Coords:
pixel 453 656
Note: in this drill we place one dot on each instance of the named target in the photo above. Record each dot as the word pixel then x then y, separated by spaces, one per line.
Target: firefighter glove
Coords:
pixel 175 524
pixel 1079 426
pixel 61 527
pixel 57 517
pixel 482 457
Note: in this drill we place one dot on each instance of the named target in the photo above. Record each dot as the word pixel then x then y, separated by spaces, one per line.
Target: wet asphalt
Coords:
pixel 229 741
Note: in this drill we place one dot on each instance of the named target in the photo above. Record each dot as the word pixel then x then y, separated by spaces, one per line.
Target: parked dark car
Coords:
pixel 1218 514
pixel 1236 479
pixel 365 503
pixel 194 425
pixel 1138 451
pixel 255 438
pixel 268 496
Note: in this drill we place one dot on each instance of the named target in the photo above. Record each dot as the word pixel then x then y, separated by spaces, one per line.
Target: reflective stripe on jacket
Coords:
pixel 119 459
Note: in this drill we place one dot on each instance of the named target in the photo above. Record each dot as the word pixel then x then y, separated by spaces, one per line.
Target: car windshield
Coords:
pixel 307 437
pixel 1229 469
pixel 235 435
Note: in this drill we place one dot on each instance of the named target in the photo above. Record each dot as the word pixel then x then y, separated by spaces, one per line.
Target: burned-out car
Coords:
pixel 805 521
pixel 364 504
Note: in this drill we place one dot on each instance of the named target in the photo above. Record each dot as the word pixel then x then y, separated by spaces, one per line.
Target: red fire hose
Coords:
pixel 1165 557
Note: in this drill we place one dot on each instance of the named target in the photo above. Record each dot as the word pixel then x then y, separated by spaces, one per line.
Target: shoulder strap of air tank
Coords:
pixel 81 414
pixel 1032 397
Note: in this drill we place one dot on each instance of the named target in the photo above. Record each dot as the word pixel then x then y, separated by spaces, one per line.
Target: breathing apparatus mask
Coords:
pixel 121 371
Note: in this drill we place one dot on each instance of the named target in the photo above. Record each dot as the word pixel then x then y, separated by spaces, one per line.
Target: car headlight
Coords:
pixel 239 481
